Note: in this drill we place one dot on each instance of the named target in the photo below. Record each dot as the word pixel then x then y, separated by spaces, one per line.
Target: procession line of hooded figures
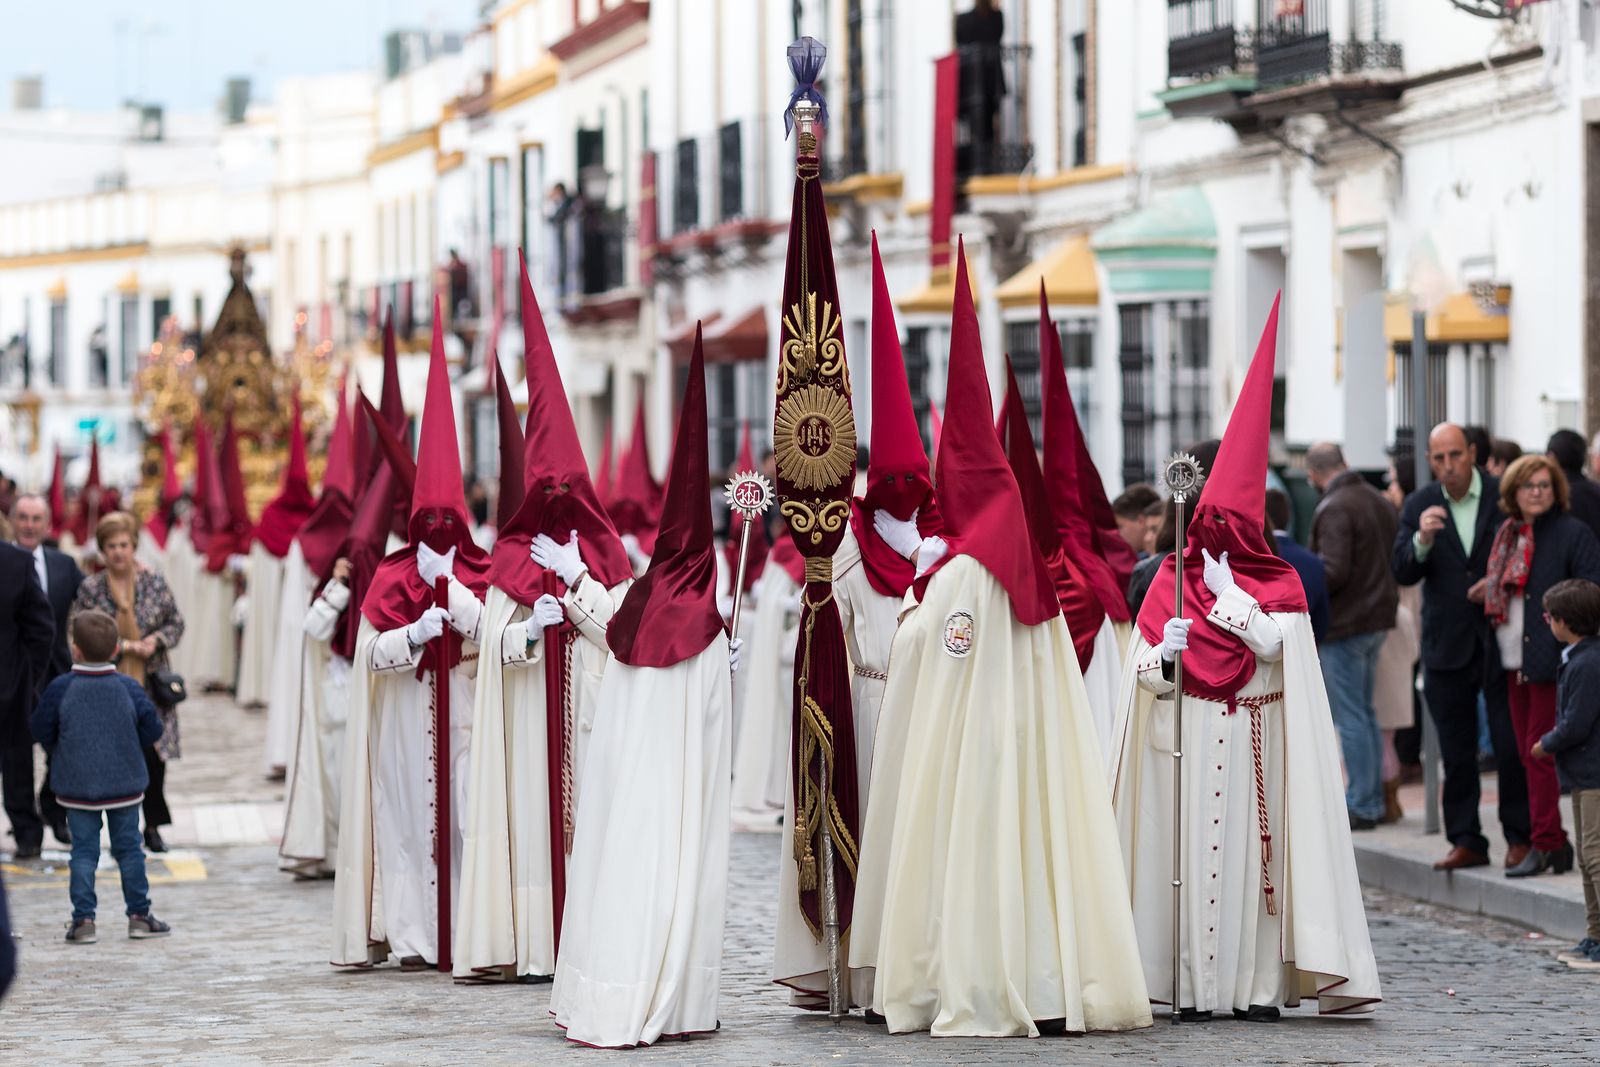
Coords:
pixel 1014 727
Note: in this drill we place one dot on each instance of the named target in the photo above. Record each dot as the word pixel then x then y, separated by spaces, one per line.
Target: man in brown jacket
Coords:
pixel 1352 530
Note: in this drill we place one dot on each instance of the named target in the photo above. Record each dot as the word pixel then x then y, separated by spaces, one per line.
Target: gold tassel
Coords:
pixel 808 872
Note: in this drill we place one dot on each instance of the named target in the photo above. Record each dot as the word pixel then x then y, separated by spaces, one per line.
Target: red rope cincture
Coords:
pixel 1255 705
pixel 433 761
pixel 566 741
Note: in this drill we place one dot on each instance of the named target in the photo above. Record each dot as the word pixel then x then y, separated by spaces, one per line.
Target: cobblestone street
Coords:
pixel 243 978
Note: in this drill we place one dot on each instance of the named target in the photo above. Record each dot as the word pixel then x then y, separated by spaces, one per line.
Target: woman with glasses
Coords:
pixel 1538 545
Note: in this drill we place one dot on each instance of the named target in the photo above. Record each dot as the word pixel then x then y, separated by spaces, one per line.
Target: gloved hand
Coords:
pixel 432 566
pixel 238 564
pixel 562 560
pixel 900 536
pixel 931 551
pixel 430 625
pixel 734 648
pixel 241 609
pixel 1174 638
pixel 1218 575
pixel 547 611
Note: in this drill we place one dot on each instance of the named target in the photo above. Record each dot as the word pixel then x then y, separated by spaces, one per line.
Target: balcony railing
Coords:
pixel 992 135
pixel 591 250
pixel 1296 46
pixel 1203 39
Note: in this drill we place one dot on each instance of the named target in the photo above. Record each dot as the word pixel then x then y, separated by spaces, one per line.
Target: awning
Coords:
pixel 939 295
pixel 1068 273
pixel 1461 318
pixel 1167 246
pixel 734 340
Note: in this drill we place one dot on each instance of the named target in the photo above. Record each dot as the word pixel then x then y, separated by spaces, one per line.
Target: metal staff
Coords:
pixel 1182 476
pixel 443 838
pixel 557 763
pixel 750 494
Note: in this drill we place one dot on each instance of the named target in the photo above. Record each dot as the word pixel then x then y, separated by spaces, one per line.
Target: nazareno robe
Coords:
pixel 311 803
pixel 1236 953
pixel 384 892
pixel 506 924
pixel 990 830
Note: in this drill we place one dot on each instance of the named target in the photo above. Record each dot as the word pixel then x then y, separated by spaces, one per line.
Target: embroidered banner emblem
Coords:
pixel 958 633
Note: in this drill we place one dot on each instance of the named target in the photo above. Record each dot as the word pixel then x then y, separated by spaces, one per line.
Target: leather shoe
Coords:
pixel 1258 1013
pixel 1461 857
pixel 1515 854
pixel 26 852
pixel 152 840
pixel 1190 1015
pixel 62 831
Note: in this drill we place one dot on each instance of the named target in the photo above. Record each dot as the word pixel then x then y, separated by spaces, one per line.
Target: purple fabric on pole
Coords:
pixel 806 57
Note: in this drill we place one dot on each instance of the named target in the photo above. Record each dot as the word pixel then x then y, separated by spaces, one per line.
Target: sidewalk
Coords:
pixel 1400 858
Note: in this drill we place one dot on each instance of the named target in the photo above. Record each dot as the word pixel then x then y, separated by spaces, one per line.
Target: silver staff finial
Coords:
pixel 1182 476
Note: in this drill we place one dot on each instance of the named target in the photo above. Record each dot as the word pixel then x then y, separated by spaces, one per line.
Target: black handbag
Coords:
pixel 167 689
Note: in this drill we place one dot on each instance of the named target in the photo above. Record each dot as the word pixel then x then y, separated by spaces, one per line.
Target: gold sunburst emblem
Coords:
pixel 814 437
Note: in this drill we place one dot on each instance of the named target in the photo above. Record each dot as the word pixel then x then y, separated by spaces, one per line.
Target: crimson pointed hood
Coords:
pixel 670 614
pixel 287 512
pixel 329 520
pixel 1076 491
pixel 171 490
pixel 232 530
pixel 391 450
pixel 438 509
pixel 1079 606
pixel 636 507
pixel 205 488
pixel 760 544
pixel 935 426
pixel 979 501
pixel 898 476
pixel 392 405
pixel 602 476
pixel 512 443
pixel 88 509
pixel 558 496
pixel 58 494
pixel 363 545
pixel 1230 517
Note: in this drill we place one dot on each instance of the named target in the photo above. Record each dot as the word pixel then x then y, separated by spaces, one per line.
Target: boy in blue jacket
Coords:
pixel 95 723
pixel 1573 609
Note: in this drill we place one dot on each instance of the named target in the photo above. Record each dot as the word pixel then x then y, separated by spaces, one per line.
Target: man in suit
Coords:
pixel 27 632
pixel 60 578
pixel 1444 536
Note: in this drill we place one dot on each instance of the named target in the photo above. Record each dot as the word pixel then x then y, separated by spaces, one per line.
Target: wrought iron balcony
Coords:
pixel 992 135
pixel 1296 47
pixel 1203 39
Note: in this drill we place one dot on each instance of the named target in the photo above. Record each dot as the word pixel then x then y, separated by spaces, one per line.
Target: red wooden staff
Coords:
pixel 555 734
pixel 443 838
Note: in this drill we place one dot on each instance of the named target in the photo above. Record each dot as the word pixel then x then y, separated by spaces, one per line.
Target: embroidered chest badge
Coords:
pixel 958 634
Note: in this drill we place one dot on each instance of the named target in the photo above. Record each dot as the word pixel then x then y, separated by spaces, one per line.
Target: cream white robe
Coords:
pixel 869 618
pixel 506 925
pixel 762 751
pixel 311 805
pixel 1234 953
pixel 264 580
pixel 641 939
pixel 1003 902
pixel 152 555
pixel 211 630
pixel 1102 681
pixel 384 896
pixel 285 689
pixel 181 570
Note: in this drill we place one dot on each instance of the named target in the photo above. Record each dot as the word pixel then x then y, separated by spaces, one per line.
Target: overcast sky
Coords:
pixel 95 53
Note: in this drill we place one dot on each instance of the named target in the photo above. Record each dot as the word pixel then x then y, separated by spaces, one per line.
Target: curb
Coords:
pixel 1531 902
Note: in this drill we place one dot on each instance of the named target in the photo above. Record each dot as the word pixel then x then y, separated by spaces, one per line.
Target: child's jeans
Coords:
pixel 126 849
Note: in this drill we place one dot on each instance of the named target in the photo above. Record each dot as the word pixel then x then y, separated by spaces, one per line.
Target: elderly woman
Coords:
pixel 1537 546
pixel 149 625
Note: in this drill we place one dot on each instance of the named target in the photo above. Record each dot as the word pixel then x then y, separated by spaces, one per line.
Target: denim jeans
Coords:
pixel 126 849
pixel 1349 667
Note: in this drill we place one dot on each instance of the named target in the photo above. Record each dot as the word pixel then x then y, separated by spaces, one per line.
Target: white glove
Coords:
pixel 238 564
pixel 547 611
pixel 563 560
pixel 900 536
pixel 1174 638
pixel 928 553
pixel 426 628
pixel 734 648
pixel 1218 575
pixel 432 566
pixel 241 609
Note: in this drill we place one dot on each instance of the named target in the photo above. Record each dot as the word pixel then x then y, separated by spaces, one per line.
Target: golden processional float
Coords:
pixel 234 371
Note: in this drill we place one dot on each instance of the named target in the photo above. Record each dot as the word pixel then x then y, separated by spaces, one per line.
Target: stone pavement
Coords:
pixel 243 979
